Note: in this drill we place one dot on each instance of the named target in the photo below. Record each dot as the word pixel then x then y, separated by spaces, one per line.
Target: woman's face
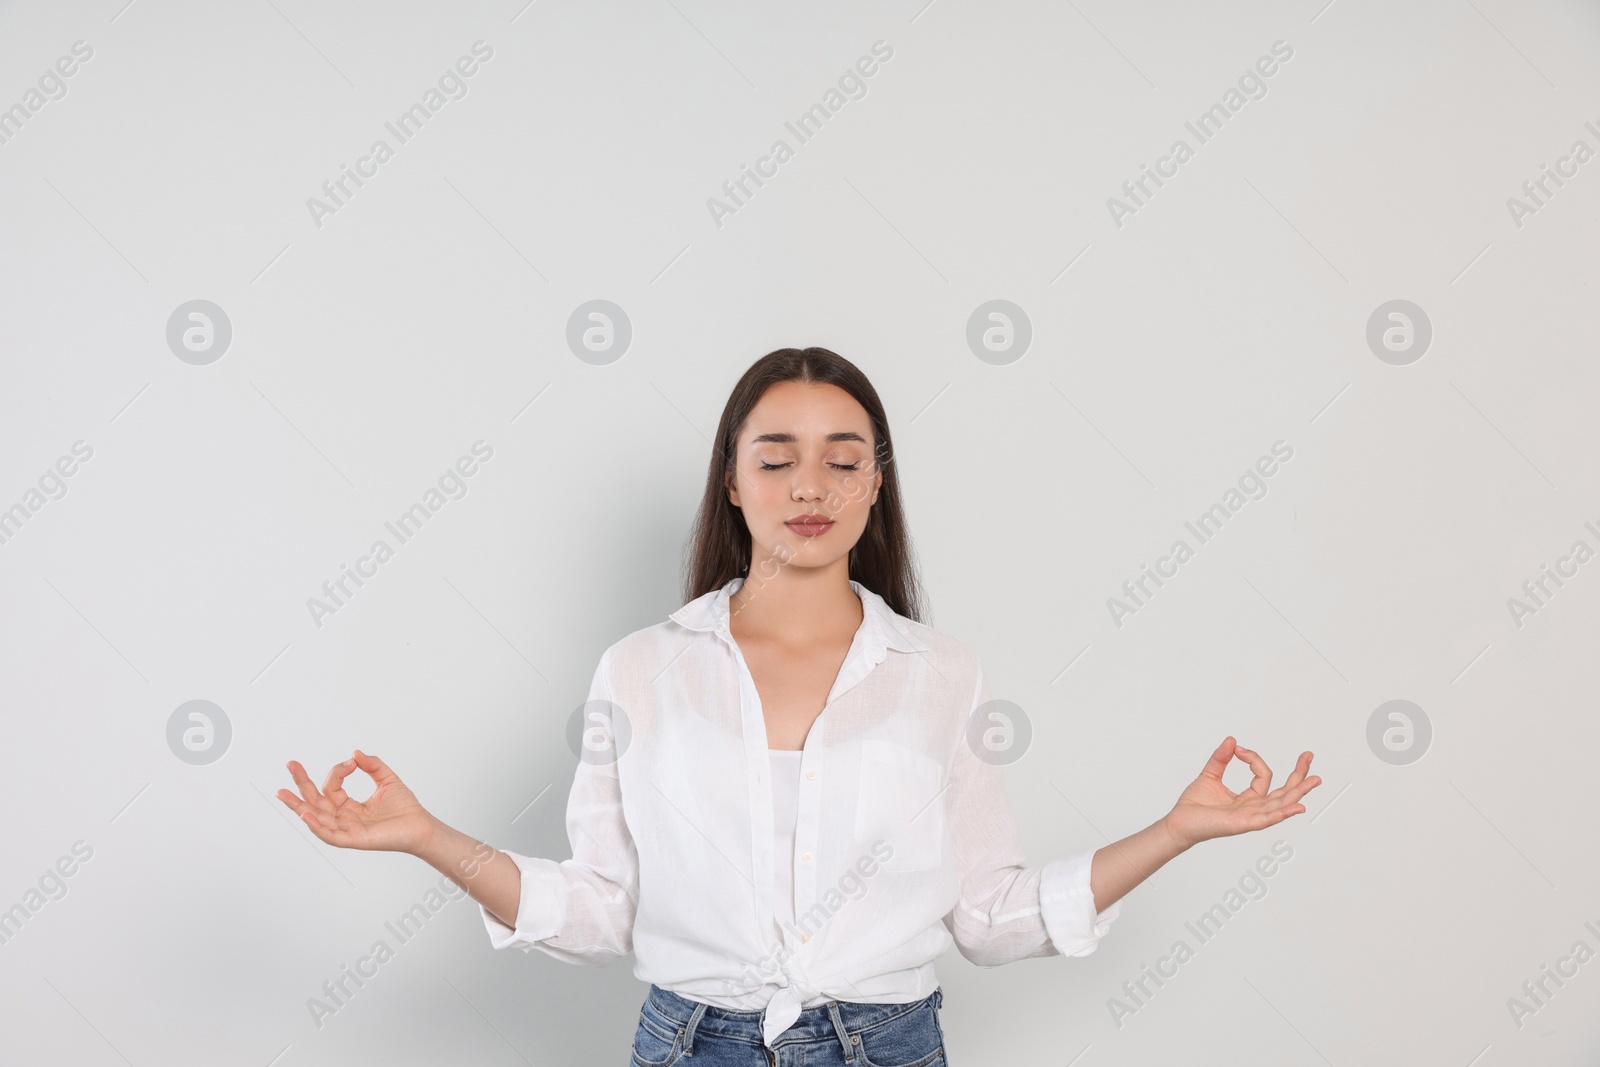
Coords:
pixel 805 453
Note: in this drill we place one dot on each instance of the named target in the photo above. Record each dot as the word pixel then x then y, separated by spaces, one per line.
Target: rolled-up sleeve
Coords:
pixel 1067 904
pixel 1006 909
pixel 541 909
pixel 581 910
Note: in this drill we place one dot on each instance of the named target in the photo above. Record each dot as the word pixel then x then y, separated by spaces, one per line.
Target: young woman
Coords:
pixel 789 800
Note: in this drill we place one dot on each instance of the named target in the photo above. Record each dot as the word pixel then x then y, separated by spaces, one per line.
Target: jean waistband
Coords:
pixel 821 1022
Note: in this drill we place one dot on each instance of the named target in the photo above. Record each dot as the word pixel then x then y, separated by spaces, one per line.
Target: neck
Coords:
pixel 798 602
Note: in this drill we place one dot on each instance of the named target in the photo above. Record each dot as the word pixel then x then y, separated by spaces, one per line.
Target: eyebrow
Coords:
pixel 789 438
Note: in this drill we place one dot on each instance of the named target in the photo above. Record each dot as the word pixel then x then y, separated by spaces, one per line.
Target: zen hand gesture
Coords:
pixel 390 819
pixel 1210 809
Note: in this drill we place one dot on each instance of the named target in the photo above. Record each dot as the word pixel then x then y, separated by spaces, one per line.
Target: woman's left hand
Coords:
pixel 1210 809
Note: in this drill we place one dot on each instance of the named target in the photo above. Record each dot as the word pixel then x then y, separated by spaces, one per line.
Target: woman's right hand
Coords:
pixel 390 819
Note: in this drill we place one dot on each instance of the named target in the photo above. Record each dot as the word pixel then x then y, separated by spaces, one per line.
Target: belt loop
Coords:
pixel 838 1026
pixel 689 1029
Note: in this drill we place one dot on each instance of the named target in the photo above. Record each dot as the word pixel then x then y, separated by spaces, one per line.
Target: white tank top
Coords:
pixel 785 813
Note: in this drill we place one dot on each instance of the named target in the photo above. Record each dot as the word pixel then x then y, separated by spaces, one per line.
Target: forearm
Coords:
pixel 1121 865
pixel 488 875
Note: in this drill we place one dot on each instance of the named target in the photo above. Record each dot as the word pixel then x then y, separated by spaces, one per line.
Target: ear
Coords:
pixel 732 488
pixel 877 483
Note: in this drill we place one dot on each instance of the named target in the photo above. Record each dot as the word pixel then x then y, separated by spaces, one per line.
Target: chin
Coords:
pixel 804 555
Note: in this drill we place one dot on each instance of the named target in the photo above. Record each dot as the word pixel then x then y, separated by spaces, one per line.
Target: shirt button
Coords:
pixel 806 857
pixel 811 774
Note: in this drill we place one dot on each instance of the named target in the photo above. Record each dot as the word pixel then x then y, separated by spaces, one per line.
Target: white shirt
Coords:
pixel 905 842
pixel 785 818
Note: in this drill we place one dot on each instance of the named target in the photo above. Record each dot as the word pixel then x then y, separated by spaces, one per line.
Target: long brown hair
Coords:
pixel 719 543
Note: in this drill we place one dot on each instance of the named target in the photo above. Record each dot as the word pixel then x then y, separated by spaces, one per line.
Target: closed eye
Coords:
pixel 835 466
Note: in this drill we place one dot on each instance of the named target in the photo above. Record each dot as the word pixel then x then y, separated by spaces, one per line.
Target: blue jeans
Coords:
pixel 840 1033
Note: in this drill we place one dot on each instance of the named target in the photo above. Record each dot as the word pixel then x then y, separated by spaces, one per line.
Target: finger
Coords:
pixel 312 801
pixel 1219 760
pixel 1296 776
pixel 308 815
pixel 1263 778
pixel 292 802
pixel 1305 787
pixel 325 833
pixel 334 786
pixel 303 782
pixel 375 767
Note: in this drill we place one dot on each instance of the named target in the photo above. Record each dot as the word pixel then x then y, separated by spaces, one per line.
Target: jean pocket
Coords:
pixel 911 1039
pixel 653 1045
pixel 899 801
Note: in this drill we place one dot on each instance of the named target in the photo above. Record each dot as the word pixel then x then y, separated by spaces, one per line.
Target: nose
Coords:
pixel 805 489
pixel 807 482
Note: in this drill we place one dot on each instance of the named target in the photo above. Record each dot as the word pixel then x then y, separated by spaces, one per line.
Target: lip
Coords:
pixel 812 525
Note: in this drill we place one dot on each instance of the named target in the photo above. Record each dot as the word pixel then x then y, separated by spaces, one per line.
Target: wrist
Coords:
pixel 1176 842
pixel 426 845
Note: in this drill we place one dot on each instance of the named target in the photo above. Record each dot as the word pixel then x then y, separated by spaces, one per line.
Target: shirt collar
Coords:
pixel 882 626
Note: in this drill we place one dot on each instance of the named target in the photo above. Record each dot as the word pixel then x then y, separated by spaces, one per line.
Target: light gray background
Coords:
pixel 1168 354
